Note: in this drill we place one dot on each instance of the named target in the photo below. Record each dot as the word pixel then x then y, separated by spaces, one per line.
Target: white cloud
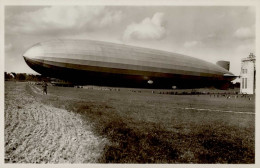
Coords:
pixel 8 47
pixel 110 18
pixel 190 44
pixel 244 33
pixel 148 29
pixel 57 19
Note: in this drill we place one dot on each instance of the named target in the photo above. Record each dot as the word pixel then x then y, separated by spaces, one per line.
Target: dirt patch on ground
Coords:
pixel 37 133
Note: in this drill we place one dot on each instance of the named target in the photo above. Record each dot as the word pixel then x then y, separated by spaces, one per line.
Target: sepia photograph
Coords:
pixel 131 84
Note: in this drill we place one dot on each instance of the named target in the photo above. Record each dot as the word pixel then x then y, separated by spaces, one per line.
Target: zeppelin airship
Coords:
pixel 92 62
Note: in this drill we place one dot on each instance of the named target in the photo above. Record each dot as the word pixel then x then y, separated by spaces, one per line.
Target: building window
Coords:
pixel 242 83
pixel 244 71
pixel 245 83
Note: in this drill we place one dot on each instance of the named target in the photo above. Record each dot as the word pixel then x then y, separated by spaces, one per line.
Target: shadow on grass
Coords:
pixel 133 141
pixel 225 150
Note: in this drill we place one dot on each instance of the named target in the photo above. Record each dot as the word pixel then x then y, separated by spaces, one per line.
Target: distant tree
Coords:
pixel 30 77
pixel 8 76
pixel 13 74
pixel 20 76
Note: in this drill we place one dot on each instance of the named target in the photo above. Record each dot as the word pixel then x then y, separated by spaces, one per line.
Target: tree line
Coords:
pixel 24 77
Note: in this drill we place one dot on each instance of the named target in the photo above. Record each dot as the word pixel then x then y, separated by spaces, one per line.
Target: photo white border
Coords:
pixel 4 3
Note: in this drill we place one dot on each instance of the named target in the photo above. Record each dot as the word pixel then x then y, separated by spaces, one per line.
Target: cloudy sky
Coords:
pixel 208 33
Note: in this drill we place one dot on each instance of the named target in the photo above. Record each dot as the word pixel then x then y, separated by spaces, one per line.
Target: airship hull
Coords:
pixel 102 63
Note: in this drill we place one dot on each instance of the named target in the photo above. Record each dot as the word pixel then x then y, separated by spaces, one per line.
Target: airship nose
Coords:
pixel 34 52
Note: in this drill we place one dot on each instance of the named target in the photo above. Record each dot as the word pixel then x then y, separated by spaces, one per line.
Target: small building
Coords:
pixel 247 75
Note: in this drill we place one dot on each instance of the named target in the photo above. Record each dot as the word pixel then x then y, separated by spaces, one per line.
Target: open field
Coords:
pixel 130 127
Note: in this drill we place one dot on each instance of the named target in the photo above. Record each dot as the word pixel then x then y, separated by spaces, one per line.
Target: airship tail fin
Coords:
pixel 224 64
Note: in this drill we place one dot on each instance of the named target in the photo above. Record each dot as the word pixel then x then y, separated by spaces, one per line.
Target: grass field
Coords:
pixel 159 128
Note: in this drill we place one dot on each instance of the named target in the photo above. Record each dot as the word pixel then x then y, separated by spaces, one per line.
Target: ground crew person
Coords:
pixel 44 87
